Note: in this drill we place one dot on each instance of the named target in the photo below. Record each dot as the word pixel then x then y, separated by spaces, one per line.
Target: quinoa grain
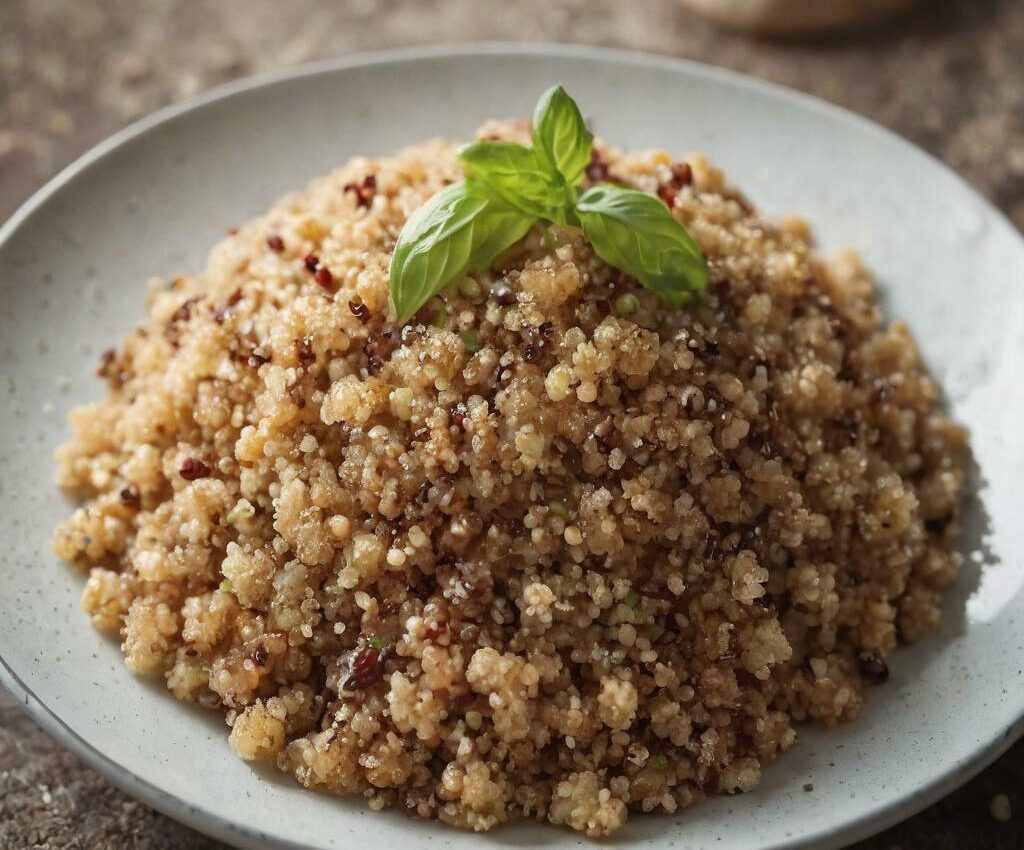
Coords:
pixel 551 550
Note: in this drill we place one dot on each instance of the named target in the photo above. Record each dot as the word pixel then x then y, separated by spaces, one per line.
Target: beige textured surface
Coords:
pixel 949 76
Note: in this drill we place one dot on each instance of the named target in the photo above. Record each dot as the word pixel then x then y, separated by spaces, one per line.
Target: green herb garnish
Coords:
pixel 558 509
pixel 509 187
pixel 242 511
pixel 464 226
pixel 636 233
pixel 626 304
pixel 470 289
pixel 632 599
pixel 440 318
pixel 512 172
pixel 375 641
pixel 561 139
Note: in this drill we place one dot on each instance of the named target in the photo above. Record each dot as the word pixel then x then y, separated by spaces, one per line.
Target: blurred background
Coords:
pixel 946 74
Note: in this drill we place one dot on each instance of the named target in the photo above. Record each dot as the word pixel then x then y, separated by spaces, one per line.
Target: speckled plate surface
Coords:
pixel 153 200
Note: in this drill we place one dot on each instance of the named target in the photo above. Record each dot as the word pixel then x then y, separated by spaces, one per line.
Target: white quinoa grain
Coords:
pixel 339 527
pixel 587 392
pixel 401 400
pixel 558 382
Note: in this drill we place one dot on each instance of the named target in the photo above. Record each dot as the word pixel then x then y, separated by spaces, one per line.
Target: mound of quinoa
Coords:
pixel 551 550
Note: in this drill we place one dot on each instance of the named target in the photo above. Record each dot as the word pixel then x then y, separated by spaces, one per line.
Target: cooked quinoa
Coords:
pixel 552 549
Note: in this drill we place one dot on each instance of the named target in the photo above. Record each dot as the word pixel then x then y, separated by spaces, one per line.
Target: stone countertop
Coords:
pixel 949 76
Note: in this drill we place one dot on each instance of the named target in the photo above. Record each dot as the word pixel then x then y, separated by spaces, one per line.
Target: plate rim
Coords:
pixel 209 822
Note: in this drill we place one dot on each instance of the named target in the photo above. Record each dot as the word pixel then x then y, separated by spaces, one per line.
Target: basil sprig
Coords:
pixel 463 227
pixel 561 139
pixel 509 187
pixel 636 233
pixel 512 171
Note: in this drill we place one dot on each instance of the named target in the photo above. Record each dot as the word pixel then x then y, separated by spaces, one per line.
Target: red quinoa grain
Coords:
pixel 192 469
pixel 324 278
pixel 363 190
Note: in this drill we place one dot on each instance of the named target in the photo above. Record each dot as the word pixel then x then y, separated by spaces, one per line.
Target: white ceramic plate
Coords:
pixel 152 200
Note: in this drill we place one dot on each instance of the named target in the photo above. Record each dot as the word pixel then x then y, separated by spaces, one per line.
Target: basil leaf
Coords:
pixel 561 139
pixel 636 233
pixel 513 172
pixel 464 226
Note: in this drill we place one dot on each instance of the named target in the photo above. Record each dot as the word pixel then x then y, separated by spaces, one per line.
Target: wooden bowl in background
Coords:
pixel 794 17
